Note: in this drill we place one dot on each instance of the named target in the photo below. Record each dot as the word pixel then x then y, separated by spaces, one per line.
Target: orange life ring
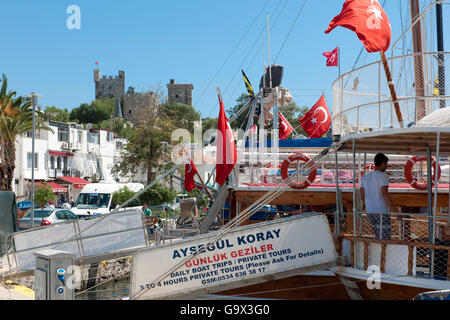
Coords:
pixel 298 157
pixel 413 181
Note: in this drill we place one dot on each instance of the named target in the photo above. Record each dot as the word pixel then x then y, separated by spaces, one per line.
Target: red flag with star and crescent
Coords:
pixel 284 128
pixel 226 154
pixel 317 120
pixel 332 57
pixel 368 19
pixel 189 174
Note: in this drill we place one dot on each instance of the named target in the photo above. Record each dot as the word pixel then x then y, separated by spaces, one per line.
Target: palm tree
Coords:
pixel 16 116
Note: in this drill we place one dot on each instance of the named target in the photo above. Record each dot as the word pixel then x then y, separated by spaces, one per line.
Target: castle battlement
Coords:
pixel 107 87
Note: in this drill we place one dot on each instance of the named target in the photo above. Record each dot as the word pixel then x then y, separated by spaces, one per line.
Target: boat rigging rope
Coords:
pixel 267 198
pixel 231 53
pixel 289 33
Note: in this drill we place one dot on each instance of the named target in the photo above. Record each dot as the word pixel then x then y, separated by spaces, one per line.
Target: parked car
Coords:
pixel 50 216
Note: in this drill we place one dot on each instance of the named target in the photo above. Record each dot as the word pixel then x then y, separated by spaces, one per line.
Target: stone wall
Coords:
pixel 135 104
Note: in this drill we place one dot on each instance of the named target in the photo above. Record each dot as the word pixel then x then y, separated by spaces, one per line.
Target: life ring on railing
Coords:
pixel 298 157
pixel 413 181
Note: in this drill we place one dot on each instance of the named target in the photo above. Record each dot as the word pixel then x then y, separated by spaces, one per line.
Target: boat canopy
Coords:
pixel 298 143
pixel 415 140
pixel 438 118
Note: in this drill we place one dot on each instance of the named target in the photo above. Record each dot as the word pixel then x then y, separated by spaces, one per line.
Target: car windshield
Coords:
pixel 38 213
pixel 93 200
pixel 65 215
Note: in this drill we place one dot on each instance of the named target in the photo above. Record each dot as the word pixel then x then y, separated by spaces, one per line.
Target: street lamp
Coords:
pixel 34 98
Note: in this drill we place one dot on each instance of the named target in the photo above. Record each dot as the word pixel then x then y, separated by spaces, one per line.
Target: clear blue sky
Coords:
pixel 205 43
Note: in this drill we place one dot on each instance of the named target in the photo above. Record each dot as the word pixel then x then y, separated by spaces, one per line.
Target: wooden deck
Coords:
pixel 320 197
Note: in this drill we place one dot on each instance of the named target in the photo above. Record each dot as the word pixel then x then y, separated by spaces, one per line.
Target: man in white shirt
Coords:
pixel 375 196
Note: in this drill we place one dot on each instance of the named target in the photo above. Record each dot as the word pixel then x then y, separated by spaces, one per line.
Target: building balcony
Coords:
pixel 55 173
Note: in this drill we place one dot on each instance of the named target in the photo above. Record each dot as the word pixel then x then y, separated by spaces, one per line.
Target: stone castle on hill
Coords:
pixel 129 102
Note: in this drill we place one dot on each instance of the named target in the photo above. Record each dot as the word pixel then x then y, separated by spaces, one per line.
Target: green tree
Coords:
pixel 143 152
pixel 157 195
pixel 121 127
pixel 203 201
pixel 57 114
pixel 15 119
pixel 131 90
pixel 209 123
pixel 95 112
pixel 124 194
pixel 182 115
pixel 242 119
pixel 43 195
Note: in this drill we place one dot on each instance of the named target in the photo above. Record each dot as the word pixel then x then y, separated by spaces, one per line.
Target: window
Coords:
pixel 64 163
pixel 52 162
pixel 65 215
pixel 63 130
pixel 93 200
pixel 79 136
pixel 39 213
pixel 58 163
pixel 30 160
pixel 93 137
pixel 63 133
pixel 110 136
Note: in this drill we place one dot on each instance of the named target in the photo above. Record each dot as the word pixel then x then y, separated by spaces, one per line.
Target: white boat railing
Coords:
pixel 400 244
pixel 362 101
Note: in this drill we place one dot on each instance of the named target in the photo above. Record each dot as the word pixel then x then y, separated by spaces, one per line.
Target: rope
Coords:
pixel 267 198
pixel 290 30
pixel 231 53
pixel 249 51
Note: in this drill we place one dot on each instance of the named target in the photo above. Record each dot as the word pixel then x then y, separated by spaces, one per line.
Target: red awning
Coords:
pixel 55 187
pixel 61 153
pixel 78 183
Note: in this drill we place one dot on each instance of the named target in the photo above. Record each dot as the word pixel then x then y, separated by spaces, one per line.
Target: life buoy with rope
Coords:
pixel 412 180
pixel 298 157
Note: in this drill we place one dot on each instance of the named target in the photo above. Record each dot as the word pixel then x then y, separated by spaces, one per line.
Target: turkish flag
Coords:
pixel 226 154
pixel 332 58
pixel 316 121
pixel 368 19
pixel 189 173
pixel 284 127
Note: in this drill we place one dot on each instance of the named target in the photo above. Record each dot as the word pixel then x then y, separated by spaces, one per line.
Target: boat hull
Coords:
pixel 320 285
pixel 389 288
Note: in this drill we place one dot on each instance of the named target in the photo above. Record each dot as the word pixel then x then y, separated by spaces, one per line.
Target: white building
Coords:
pixel 70 151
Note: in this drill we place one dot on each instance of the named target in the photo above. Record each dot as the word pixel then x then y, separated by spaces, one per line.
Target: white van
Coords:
pixel 96 198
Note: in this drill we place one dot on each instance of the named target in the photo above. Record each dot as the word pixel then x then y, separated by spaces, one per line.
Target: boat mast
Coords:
pixel 440 49
pixel 418 60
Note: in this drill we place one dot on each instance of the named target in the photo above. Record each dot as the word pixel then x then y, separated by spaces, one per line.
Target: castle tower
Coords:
pixel 109 87
pixel 179 93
